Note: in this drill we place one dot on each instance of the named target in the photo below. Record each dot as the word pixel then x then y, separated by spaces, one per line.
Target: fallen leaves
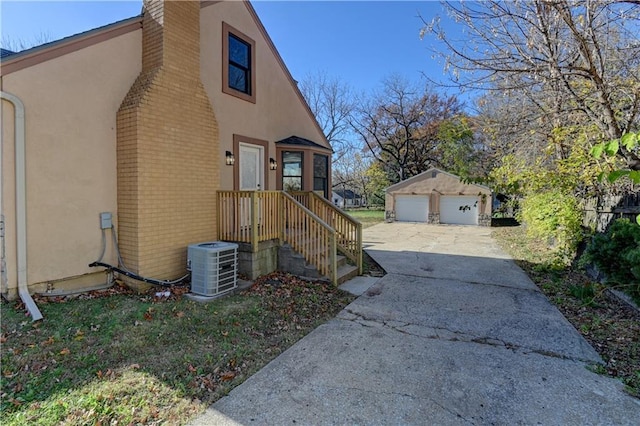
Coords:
pixel 229 375
pixel 213 379
pixel 116 289
pixel 15 402
pixel 609 325
pixel 119 288
pixel 224 342
pixel 148 315
pixel 294 303
pixel 108 375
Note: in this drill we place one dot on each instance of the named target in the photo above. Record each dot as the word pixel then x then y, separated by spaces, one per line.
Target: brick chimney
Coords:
pixel 167 147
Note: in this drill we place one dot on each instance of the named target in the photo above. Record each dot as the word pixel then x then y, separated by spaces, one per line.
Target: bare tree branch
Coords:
pixel 574 60
pixel 331 101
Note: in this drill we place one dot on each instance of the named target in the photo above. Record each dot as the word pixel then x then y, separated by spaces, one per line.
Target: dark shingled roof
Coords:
pixel 297 140
pixel 5 52
pixel 347 194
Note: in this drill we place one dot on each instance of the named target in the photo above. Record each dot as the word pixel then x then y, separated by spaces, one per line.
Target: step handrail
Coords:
pixel 352 249
pixel 318 242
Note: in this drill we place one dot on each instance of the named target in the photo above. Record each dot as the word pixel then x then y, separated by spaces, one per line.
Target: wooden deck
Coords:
pixel 309 223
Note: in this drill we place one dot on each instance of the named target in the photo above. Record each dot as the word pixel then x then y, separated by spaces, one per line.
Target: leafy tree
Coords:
pixel 377 182
pixel 457 148
pixel 554 217
pixel 400 126
pixel 574 171
pixel 608 150
pixel 570 61
pixel 613 171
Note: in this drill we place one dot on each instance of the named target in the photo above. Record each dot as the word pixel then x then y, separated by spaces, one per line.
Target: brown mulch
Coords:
pixel 613 329
pixel 371 267
pixel 610 325
pixel 156 294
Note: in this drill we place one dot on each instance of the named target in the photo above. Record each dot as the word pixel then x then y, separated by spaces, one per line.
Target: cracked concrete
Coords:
pixel 455 334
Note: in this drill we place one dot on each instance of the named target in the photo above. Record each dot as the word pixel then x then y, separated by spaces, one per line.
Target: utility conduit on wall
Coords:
pixel 21 205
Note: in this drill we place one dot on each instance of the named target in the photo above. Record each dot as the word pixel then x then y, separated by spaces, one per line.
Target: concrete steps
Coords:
pixel 293 262
pixel 346 272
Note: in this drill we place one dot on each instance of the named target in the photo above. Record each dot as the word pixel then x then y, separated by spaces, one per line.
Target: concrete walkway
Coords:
pixel 455 334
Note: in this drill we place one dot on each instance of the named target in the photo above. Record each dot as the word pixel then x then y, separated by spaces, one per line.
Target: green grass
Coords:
pixel 367 217
pixel 120 358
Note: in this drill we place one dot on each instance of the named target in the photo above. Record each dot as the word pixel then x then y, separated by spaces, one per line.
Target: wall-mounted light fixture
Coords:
pixel 230 159
pixel 273 165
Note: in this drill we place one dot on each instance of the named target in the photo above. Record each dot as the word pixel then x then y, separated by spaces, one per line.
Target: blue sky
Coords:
pixel 361 42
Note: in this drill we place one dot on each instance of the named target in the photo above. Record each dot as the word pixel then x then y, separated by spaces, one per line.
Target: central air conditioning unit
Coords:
pixel 213 267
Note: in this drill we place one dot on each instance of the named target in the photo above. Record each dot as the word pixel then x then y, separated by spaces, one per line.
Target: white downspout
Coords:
pixel 21 206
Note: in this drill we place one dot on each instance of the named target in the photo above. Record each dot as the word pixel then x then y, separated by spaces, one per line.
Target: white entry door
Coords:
pixel 251 172
pixel 251 175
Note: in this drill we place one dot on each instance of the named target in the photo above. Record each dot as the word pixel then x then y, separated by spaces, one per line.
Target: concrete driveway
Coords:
pixel 455 333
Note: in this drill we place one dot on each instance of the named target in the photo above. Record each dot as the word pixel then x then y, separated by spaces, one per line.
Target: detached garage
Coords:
pixel 436 196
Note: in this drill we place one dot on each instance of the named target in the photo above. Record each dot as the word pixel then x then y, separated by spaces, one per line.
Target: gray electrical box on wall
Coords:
pixel 105 220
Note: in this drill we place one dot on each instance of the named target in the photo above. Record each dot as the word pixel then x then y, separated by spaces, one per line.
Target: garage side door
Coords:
pixel 412 208
pixel 459 209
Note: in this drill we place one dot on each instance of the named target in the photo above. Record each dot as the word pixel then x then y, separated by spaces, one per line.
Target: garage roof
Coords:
pixel 427 175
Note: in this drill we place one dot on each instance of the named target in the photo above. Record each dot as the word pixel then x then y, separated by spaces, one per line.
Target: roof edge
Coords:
pixel 311 144
pixel 411 179
pixel 54 49
pixel 279 59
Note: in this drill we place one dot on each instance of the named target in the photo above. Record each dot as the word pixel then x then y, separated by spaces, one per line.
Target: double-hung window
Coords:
pixel 239 64
pixel 292 171
pixel 320 174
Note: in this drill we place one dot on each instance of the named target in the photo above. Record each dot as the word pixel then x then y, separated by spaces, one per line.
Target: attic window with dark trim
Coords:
pixel 238 68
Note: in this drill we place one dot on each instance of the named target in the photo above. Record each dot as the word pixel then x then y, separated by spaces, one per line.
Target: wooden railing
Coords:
pixel 312 225
pixel 249 216
pixel 302 197
pixel 348 230
pixel 310 236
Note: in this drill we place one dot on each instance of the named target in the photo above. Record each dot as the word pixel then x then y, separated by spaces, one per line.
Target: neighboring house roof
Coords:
pixel 346 193
pixel 44 52
pixel 297 140
pixel 425 175
pixel 5 52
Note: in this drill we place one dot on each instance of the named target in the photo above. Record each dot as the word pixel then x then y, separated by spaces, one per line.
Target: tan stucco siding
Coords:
pixel 277 113
pixel 70 107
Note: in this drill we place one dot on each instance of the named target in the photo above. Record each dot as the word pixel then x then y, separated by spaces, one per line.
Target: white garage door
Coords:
pixel 412 208
pixel 459 209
